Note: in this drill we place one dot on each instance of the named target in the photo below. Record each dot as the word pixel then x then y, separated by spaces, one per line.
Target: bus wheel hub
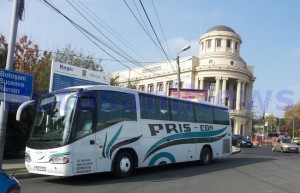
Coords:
pixel 125 164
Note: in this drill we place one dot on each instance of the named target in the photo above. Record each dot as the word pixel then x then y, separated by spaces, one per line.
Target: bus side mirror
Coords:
pixel 22 106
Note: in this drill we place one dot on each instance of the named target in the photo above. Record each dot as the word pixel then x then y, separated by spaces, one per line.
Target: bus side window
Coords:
pixel 203 113
pixel 84 125
pixel 114 107
pixel 221 116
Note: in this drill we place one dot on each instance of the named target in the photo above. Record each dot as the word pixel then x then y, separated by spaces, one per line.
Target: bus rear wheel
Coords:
pixel 205 156
pixel 123 165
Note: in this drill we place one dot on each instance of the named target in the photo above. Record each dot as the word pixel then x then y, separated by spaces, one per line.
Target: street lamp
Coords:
pixel 178 69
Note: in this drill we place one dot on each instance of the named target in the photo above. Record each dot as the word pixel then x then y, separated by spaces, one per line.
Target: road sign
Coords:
pixel 15 86
pixel 64 75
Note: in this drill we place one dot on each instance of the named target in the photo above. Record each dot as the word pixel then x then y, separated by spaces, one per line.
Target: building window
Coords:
pixel 151 88
pixel 171 84
pixel 228 44
pixel 160 87
pixel 142 88
pixel 236 46
pixel 218 43
pixel 208 43
pixel 212 86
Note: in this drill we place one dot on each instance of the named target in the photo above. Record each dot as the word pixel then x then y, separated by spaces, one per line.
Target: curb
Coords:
pixel 238 150
pixel 21 175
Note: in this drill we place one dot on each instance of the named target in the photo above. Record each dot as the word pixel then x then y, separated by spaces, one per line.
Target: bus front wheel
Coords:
pixel 123 165
pixel 205 156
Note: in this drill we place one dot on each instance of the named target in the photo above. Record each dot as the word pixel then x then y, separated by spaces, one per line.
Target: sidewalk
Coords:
pixel 13 164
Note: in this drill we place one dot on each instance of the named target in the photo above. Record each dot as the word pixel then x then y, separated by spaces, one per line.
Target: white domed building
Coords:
pixel 219 71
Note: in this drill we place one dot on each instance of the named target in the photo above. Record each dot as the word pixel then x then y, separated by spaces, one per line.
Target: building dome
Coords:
pixel 221 28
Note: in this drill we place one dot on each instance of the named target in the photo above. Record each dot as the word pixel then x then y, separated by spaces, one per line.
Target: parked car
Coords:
pixel 8 183
pixel 241 141
pixel 284 145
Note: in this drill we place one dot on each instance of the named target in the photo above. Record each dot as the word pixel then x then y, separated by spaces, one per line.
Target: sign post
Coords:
pixel 17 12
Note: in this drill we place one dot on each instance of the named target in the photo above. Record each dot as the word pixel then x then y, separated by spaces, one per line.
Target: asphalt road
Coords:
pixel 256 169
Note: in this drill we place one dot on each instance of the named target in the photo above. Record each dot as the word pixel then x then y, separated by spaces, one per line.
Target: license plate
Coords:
pixel 39 168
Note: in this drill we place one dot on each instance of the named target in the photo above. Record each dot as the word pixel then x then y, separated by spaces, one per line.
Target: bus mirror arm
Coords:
pixel 22 106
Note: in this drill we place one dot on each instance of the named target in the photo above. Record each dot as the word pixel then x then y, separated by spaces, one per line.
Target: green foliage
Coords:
pixel 114 81
pixel 292 119
pixel 272 122
pixel 70 55
pixel 29 59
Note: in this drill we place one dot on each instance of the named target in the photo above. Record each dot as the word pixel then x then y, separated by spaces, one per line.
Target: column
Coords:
pixel 236 127
pixel 166 89
pixel 197 82
pixel 238 95
pixel 217 91
pixel 231 95
pixel 224 83
pixel 155 87
pixel 201 83
pixel 243 96
pixel 248 100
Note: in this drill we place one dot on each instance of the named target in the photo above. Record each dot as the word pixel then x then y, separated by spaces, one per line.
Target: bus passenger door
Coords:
pixel 85 144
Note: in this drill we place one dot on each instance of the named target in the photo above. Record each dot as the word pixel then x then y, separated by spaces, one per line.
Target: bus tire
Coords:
pixel 205 156
pixel 123 165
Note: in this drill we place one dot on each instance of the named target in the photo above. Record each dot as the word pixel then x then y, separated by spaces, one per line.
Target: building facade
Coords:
pixel 219 70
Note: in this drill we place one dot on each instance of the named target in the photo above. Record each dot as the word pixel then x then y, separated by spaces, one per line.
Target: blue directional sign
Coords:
pixel 15 86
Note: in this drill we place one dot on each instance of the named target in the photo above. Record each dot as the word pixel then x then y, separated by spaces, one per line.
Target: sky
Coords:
pixel 269 30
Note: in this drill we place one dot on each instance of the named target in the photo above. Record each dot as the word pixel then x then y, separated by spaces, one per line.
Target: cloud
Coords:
pixel 176 44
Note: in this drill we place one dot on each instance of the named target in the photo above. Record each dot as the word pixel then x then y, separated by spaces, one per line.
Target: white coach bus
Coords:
pixel 89 129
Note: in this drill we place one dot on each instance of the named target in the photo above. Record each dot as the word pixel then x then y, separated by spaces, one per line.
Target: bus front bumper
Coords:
pixel 50 169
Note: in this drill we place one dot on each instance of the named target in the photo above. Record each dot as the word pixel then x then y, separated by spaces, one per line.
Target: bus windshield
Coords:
pixel 53 120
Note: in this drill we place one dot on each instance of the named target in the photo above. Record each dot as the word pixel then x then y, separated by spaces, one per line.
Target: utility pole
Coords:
pixel 178 69
pixel 17 13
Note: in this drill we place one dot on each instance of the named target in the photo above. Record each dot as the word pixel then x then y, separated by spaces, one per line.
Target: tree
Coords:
pixel 114 81
pixel 272 122
pixel 3 51
pixel 27 59
pixel 30 60
pixel 292 119
pixel 70 55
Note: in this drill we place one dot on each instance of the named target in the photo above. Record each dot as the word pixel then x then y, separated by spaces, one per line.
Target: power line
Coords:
pixel 143 27
pixel 121 52
pixel 88 35
pixel 95 58
pixel 82 30
pixel 161 28
pixel 111 31
pixel 156 34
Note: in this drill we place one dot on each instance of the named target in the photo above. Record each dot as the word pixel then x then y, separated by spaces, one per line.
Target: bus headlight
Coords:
pixel 27 158
pixel 58 160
